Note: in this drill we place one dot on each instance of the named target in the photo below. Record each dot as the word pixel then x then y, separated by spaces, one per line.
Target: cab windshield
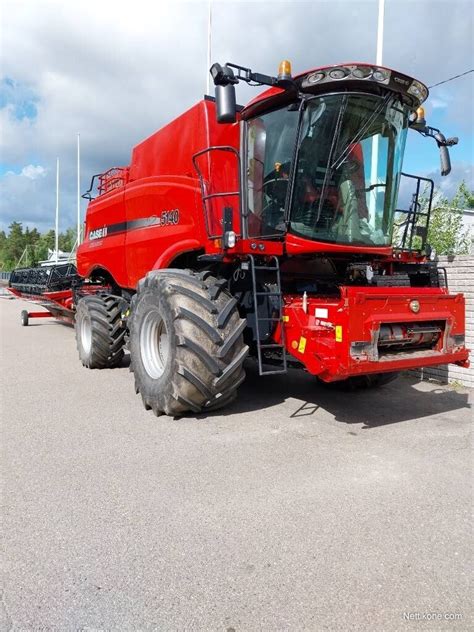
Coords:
pixel 348 164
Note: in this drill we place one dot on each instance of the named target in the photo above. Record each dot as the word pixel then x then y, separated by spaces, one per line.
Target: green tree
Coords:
pixel 67 240
pixel 467 196
pixel 446 233
pixel 16 241
pixel 45 243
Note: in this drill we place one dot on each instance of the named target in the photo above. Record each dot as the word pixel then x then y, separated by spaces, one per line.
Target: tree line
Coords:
pixel 447 234
pixel 31 244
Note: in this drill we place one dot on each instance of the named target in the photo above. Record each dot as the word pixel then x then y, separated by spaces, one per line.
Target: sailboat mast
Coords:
pixel 56 231
pixel 78 190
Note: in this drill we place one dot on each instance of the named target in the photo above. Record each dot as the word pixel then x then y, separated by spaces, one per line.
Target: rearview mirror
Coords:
pixel 418 123
pixel 226 108
pixel 445 160
pixel 443 144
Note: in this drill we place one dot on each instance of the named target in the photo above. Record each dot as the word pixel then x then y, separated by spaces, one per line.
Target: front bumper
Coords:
pixel 374 330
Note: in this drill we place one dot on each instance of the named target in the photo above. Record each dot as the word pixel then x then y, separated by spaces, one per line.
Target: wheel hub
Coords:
pixel 154 344
pixel 86 335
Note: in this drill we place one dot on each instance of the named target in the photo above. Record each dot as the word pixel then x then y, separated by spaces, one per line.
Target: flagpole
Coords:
pixel 209 30
pixel 380 24
pixel 78 189
pixel 56 231
pixel 375 139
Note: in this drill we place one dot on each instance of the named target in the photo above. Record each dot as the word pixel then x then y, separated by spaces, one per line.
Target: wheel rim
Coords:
pixel 86 335
pixel 154 344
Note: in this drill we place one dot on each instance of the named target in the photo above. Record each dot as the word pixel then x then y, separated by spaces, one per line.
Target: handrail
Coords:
pixel 413 213
pixel 113 178
pixel 206 197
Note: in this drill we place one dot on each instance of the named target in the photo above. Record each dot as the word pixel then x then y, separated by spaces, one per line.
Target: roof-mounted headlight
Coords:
pixel 418 90
pixel 362 72
pixel 338 73
pixel 381 76
pixel 315 77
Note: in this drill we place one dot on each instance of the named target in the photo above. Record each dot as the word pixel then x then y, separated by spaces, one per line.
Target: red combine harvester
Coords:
pixel 270 230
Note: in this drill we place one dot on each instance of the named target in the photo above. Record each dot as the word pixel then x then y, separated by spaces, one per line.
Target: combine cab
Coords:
pixel 270 231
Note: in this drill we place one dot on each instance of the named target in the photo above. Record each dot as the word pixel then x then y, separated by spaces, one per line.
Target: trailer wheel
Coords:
pixel 99 331
pixel 24 318
pixel 186 343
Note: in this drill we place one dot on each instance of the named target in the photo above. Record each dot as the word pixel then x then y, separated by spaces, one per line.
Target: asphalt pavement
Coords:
pixel 297 508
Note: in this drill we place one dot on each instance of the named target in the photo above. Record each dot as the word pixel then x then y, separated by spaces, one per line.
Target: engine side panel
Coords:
pixel 161 212
pixel 104 243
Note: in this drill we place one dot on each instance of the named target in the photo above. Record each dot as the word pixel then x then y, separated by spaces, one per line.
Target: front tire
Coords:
pixel 24 318
pixel 99 331
pixel 186 342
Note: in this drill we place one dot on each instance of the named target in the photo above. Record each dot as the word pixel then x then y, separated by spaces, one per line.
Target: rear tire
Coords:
pixel 186 343
pixel 24 318
pixel 99 331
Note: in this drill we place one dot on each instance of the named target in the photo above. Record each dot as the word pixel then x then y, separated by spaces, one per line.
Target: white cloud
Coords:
pixel 438 104
pixel 33 172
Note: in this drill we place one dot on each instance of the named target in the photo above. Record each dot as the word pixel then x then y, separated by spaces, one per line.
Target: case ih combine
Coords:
pixel 264 231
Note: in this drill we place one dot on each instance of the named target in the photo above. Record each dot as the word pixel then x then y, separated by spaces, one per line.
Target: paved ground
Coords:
pixel 297 509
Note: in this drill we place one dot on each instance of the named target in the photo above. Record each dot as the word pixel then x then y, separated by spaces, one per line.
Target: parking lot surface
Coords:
pixel 297 508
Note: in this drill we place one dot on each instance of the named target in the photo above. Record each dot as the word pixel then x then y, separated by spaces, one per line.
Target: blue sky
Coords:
pixel 115 75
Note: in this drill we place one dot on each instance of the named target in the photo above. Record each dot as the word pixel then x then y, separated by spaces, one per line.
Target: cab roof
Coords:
pixel 359 76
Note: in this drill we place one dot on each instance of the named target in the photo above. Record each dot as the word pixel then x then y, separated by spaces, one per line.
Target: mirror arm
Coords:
pixel 442 142
pixel 225 80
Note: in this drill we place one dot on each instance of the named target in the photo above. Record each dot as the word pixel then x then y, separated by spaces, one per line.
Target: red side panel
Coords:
pixel 105 251
pixel 296 245
pixel 159 214
pixel 170 149
pixel 162 212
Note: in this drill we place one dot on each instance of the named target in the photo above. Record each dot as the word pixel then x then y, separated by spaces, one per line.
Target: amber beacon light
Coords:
pixel 284 70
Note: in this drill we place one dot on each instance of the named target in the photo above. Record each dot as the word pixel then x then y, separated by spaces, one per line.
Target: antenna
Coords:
pixel 374 160
pixel 209 30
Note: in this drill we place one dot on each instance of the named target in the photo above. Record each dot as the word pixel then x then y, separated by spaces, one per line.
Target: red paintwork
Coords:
pixel 60 305
pixel 296 245
pixel 162 178
pixel 359 312
pixel 40 315
pixel 62 299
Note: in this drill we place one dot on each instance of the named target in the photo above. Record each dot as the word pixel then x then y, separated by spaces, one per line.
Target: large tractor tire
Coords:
pixel 99 331
pixel 186 343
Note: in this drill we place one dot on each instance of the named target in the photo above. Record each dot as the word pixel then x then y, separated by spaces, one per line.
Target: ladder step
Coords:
pixel 275 372
pixel 265 268
pixel 261 346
